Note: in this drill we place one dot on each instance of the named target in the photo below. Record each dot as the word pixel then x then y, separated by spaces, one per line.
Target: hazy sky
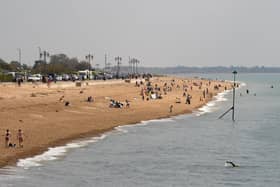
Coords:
pixel 157 32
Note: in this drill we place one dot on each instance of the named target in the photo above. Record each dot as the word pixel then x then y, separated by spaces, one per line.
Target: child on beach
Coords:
pixel 90 99
pixel 127 103
pixel 20 138
pixel 7 137
pixel 171 108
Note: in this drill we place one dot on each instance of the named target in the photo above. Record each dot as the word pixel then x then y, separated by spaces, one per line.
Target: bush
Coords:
pixel 6 78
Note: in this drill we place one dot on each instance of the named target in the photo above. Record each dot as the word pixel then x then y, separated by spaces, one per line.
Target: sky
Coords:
pixel 157 32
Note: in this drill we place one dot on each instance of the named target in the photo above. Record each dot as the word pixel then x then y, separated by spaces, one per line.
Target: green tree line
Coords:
pixel 58 64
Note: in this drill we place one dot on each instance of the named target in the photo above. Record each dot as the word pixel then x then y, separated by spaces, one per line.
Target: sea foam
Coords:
pixel 123 128
pixel 156 120
pixel 212 105
pixel 54 153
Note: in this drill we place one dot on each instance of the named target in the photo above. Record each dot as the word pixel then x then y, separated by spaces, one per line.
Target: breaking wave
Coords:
pixel 54 153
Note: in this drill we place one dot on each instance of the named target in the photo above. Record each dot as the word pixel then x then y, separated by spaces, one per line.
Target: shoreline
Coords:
pixel 97 135
pixel 63 142
pixel 95 132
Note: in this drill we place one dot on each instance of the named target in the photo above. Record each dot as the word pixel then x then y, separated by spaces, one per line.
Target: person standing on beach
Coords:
pixel 188 99
pixel 127 103
pixel 143 94
pixel 171 108
pixel 48 82
pixel 20 138
pixel 19 82
pixel 7 137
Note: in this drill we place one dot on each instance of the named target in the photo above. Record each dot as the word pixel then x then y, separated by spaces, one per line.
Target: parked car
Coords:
pixel 58 77
pixel 65 77
pixel 108 76
pixel 99 76
pixel 74 77
pixel 35 77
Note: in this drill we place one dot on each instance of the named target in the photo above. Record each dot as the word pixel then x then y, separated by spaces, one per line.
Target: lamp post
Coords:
pixel 19 57
pixel 233 97
pixel 133 65
pixel 105 62
pixel 132 61
pixel 137 62
pixel 129 64
pixel 118 59
pixel 89 57
pixel 39 48
pixel 45 54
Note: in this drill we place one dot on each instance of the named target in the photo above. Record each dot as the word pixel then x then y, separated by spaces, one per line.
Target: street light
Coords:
pixel 137 62
pixel 45 54
pixel 89 57
pixel 19 56
pixel 39 53
pixel 118 59
pixel 132 62
pixel 129 65
pixel 105 62
pixel 233 99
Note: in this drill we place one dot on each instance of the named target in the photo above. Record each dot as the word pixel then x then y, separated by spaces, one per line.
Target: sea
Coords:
pixel 186 150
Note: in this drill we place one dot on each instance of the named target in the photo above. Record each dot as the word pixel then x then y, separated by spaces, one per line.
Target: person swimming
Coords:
pixel 230 164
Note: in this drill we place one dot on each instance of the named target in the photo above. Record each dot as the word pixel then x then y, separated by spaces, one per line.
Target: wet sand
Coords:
pixel 47 122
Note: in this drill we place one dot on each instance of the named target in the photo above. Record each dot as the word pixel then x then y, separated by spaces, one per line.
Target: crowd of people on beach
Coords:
pixel 113 103
pixel 153 92
pixel 8 138
pixel 118 104
pixel 150 91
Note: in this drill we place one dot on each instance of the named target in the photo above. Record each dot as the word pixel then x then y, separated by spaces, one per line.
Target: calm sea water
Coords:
pixel 188 150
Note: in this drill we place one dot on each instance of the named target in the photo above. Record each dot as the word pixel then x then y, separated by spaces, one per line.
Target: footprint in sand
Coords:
pixel 76 112
pixel 36 115
pixel 89 107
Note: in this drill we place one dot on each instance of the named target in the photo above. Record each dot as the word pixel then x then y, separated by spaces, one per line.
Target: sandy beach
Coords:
pixel 41 113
